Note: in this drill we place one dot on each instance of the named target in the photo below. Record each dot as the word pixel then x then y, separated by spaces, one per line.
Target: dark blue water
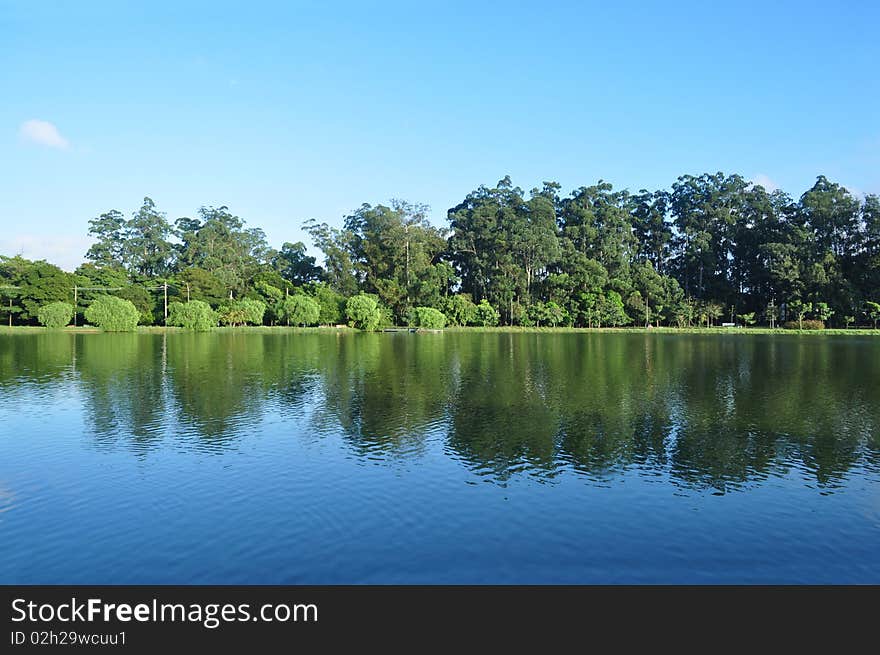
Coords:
pixel 439 458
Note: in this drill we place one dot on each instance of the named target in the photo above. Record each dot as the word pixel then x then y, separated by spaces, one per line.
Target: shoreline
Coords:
pixel 506 329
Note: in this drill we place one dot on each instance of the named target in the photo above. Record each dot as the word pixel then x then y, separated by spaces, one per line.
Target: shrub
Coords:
pixel 804 325
pixel 332 304
pixel 386 316
pixel 363 312
pixel 143 301
pixel 300 310
pixel 55 314
pixel 193 315
pixel 459 309
pixel 113 314
pixel 485 315
pixel 241 312
pixel 427 317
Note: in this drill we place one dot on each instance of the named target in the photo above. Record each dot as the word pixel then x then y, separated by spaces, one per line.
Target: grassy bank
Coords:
pixel 669 330
pixel 153 329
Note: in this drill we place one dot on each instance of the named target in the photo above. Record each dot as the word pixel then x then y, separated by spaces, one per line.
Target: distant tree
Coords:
pixel 612 311
pixel 220 244
pixel 822 312
pixel 147 251
pixel 363 312
pixel 748 319
pixel 771 313
pixel 872 310
pixel 242 312
pixel 194 315
pixel 799 309
pixel 272 297
pixel 113 314
pixel 295 265
pixel 459 309
pixel 485 315
pixel 639 306
pixel 331 303
pixel 339 269
pixel 143 300
pixel 196 283
pixel 427 317
pixel 300 310
pixel 108 230
pixel 713 311
pixel 55 315
pixel 555 314
pixel 848 320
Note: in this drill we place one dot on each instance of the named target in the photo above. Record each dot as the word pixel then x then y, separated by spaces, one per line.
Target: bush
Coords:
pixel 300 310
pixel 55 314
pixel 331 303
pixel 193 315
pixel 363 312
pixel 427 317
pixel 143 301
pixel 241 312
pixel 459 309
pixel 113 314
pixel 804 325
pixel 485 315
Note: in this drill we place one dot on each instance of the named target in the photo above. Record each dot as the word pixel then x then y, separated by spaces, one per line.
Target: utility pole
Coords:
pixel 164 289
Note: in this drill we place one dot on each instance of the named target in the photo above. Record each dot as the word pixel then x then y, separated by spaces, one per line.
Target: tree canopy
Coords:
pixel 712 247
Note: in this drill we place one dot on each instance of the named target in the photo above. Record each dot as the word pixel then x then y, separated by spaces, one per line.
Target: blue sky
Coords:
pixel 288 111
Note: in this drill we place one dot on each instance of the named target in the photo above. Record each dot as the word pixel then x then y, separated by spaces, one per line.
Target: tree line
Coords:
pixel 712 248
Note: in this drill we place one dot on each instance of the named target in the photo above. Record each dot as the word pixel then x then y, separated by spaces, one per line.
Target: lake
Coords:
pixel 335 457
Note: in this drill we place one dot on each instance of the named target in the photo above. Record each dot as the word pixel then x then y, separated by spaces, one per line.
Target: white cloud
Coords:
pixel 64 250
pixel 43 133
pixel 764 180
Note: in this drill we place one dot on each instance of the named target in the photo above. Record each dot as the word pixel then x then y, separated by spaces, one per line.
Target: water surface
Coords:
pixel 282 457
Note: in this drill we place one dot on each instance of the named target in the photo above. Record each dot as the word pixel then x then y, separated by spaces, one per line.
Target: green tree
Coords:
pixel 339 269
pixel 872 310
pixel 427 317
pixel 363 312
pixel 295 265
pixel 219 243
pixel 822 311
pixel 799 309
pixel 748 319
pixel 332 304
pixel 459 309
pixel 242 312
pixel 38 282
pixel 611 310
pixel 196 283
pixel 148 252
pixel 771 313
pixel 143 300
pixel 108 230
pixel 194 315
pixel 113 314
pixel 55 314
pixel 485 315
pixel 300 310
